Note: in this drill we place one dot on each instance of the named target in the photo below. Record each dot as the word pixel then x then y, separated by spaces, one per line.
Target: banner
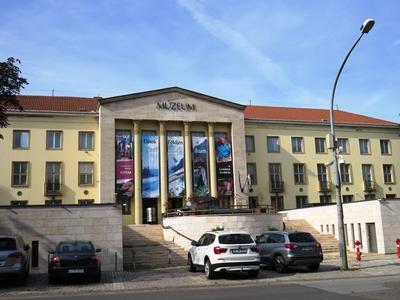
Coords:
pixel 150 167
pixel 223 150
pixel 176 174
pixel 200 165
pixel 123 163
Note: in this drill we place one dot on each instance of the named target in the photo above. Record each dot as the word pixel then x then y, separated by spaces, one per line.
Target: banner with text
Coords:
pixel 150 166
pixel 123 163
pixel 176 173
pixel 223 150
pixel 200 165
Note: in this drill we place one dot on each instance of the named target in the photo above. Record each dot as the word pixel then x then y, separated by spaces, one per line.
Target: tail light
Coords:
pixel 291 246
pixel 95 259
pixel 16 255
pixel 318 245
pixel 255 249
pixel 55 261
pixel 219 250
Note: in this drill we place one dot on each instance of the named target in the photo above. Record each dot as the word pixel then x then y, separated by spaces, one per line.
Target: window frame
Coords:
pixel 298 175
pixel 26 184
pixel 79 140
pixel 346 143
pixel 296 142
pixel 349 173
pixel 14 139
pixel 361 144
pixel 391 173
pixel 61 139
pixel 277 144
pixel 317 144
pixel 301 197
pixel 251 139
pixel 252 176
pixel 79 173
pixel 388 146
pixel 60 173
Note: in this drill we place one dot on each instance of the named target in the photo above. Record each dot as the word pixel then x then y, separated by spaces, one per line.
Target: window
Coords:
pixel 367 173
pixel 343 145
pixel 347 198
pixel 273 144
pixel 301 201
pixel 17 203
pixel 388 174
pixel 21 139
pixel 299 173
pixel 275 175
pixel 369 197
pixel 85 201
pixel 297 145
pixel 364 146
pixel 54 139
pixel 20 173
pixel 53 177
pixel 53 202
pixel 320 145
pixel 385 147
pixel 345 173
pixel 253 202
pixel 250 147
pixel 86 140
pixel 390 196
pixel 322 175
pixel 85 173
pixel 277 202
pixel 125 202
pixel 325 199
pixel 252 171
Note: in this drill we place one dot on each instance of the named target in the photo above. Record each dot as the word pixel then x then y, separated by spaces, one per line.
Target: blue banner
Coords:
pixel 200 165
pixel 150 165
pixel 176 163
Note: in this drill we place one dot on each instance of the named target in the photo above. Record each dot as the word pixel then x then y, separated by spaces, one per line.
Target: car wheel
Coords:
pixel 21 280
pixel 313 267
pixel 253 273
pixel 208 270
pixel 191 267
pixel 51 279
pixel 279 264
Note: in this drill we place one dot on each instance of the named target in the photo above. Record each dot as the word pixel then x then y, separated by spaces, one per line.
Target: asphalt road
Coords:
pixel 382 288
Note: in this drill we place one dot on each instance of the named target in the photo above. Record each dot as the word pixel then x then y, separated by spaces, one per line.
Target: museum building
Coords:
pixel 169 148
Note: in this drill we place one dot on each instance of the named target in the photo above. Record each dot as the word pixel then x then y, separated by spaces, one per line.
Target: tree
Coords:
pixel 10 86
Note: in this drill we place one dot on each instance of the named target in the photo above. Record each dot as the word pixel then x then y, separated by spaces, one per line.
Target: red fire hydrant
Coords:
pixel 398 247
pixel 357 244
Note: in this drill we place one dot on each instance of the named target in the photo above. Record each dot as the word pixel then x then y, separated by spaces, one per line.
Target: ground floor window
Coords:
pixel 325 199
pixel 125 202
pixel 277 202
pixel 301 201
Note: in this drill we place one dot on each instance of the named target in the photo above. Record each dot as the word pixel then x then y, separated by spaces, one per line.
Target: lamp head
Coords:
pixel 367 25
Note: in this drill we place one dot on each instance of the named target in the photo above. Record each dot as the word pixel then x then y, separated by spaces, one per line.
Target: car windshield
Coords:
pixel 75 247
pixel 301 237
pixel 235 239
pixel 7 244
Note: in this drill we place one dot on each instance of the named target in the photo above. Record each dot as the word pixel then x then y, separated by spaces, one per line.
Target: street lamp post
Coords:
pixel 365 28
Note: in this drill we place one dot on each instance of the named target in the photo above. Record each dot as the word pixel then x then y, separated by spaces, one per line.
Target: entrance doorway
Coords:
pixel 150 211
pixel 174 203
pixel 372 243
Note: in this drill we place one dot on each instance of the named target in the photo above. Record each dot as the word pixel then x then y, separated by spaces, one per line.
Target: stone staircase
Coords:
pixel 145 248
pixel 328 242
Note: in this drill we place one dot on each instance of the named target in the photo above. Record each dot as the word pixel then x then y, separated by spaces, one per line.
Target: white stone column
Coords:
pixel 138 172
pixel 188 159
pixel 163 169
pixel 212 159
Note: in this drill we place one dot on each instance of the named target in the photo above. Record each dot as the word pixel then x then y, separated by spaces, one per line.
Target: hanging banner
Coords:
pixel 150 167
pixel 223 150
pixel 176 174
pixel 123 163
pixel 200 165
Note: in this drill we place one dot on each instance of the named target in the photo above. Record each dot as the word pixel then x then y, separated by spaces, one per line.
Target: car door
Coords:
pixel 262 245
pixel 198 251
pixel 272 246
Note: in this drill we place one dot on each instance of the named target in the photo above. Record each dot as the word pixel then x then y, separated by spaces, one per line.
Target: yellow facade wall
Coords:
pixel 310 158
pixel 37 155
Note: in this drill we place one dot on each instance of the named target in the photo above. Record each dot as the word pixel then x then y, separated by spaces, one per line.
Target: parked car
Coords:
pixel 14 258
pixel 74 259
pixel 224 252
pixel 281 249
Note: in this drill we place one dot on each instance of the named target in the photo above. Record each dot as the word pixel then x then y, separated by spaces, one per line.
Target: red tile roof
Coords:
pixel 310 115
pixel 57 103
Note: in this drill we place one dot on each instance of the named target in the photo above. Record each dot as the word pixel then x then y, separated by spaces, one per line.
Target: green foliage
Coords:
pixel 10 86
pixel 272 228
pixel 218 228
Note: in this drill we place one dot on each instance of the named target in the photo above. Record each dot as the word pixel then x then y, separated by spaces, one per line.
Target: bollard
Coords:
pixel 169 256
pixel 115 261
pixel 357 244
pixel 398 247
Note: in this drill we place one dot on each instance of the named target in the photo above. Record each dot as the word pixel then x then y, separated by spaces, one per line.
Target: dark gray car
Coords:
pixel 14 258
pixel 281 249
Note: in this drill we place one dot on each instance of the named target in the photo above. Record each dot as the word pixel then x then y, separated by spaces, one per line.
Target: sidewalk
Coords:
pixel 372 265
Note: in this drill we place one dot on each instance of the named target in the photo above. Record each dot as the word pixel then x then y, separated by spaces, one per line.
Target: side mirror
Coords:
pixel 193 243
pixel 98 250
pixel 26 247
pixel 52 251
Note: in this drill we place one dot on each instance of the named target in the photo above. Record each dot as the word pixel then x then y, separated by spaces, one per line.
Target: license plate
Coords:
pixel 307 248
pixel 239 251
pixel 76 271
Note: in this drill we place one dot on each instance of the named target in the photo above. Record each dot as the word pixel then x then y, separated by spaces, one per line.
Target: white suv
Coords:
pixel 224 252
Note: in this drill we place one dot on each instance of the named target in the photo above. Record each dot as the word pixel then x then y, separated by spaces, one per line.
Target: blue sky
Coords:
pixel 280 53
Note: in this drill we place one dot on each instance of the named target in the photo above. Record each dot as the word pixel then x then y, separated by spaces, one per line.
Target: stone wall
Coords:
pixel 384 213
pixel 102 224
pixel 194 226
